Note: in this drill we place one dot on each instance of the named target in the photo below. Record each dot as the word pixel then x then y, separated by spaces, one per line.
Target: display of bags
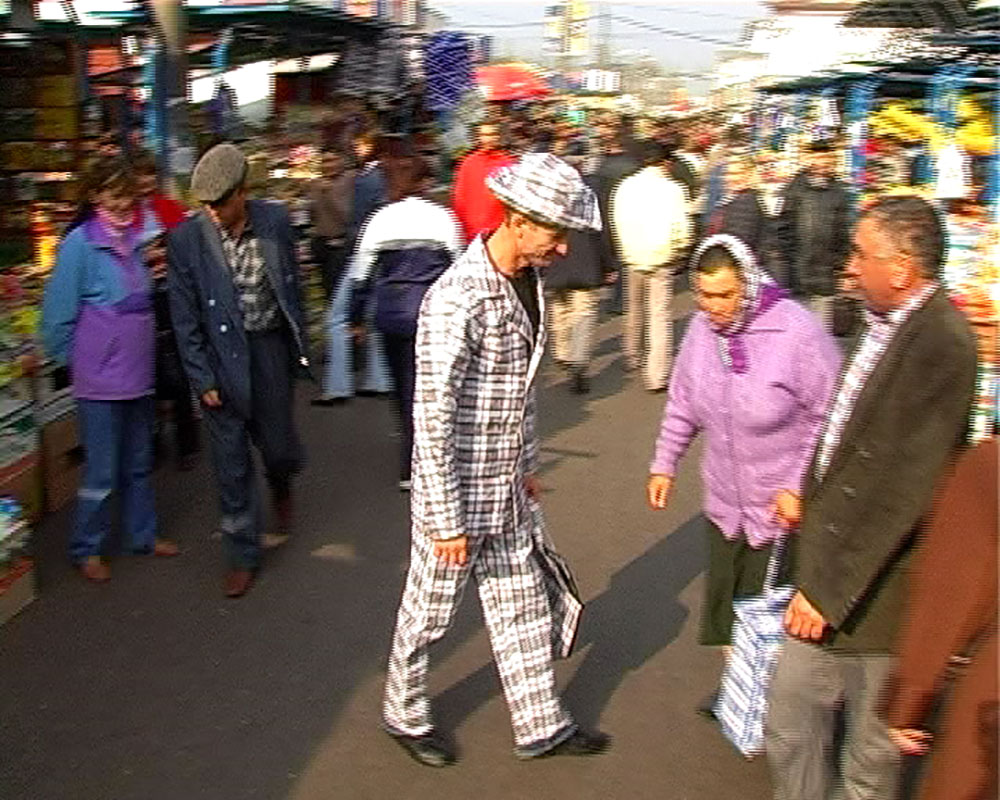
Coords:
pixel 758 633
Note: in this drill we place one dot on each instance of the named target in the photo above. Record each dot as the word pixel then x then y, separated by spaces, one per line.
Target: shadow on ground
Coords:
pixel 618 633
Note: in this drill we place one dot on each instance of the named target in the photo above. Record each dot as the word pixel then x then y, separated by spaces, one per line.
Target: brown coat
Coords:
pixel 952 607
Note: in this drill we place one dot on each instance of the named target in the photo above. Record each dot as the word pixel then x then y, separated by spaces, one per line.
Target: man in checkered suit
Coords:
pixel 479 343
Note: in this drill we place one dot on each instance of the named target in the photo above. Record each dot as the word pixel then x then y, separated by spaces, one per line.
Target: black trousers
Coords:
pixel 172 386
pixel 331 260
pixel 271 428
pixel 400 352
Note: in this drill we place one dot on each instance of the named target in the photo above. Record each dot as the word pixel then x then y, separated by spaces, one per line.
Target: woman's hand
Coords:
pixel 787 509
pixel 911 741
pixel 658 489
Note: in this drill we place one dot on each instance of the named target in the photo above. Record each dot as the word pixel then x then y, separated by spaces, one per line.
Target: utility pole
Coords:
pixel 604 35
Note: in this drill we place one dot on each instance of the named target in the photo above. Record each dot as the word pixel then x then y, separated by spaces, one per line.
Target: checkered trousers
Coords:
pixel 474 440
pixel 514 587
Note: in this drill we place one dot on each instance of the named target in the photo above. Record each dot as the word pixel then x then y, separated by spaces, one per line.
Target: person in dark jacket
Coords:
pixel 616 164
pixel 172 387
pixel 404 249
pixel 898 416
pixel 741 212
pixel 338 375
pixel 814 228
pixel 574 281
pixel 234 300
pixel 369 184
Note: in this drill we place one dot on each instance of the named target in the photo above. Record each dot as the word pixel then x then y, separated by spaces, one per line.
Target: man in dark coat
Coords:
pixel 574 283
pixel 814 229
pixel 741 213
pixel 615 165
pixel 898 416
pixel 234 300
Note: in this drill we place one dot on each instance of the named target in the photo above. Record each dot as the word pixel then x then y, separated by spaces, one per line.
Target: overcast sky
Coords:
pixel 714 19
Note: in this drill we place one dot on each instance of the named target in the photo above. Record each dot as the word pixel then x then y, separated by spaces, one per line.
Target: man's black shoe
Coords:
pixel 706 707
pixel 328 402
pixel 427 749
pixel 581 743
pixel 580 384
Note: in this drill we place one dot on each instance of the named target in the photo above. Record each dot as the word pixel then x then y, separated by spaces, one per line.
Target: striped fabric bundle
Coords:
pixel 758 633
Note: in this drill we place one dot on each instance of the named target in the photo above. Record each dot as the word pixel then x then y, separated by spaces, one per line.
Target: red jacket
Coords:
pixel 168 211
pixel 476 207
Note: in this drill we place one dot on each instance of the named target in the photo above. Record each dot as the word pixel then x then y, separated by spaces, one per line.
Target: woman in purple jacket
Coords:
pixel 97 318
pixel 755 373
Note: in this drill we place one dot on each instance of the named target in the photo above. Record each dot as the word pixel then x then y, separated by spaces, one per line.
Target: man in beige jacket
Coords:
pixel 650 223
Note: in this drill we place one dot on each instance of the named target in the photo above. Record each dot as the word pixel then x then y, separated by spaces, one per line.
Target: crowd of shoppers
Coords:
pixel 840 469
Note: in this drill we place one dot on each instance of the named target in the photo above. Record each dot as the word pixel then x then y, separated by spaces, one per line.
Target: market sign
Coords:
pixel 361 8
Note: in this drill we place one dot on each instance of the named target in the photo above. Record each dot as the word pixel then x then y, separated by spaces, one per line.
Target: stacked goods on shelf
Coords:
pixel 20 475
pixel 17 570
pixel 39 451
pixel 39 150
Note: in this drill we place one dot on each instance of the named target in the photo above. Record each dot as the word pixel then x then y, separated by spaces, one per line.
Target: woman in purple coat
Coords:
pixel 755 374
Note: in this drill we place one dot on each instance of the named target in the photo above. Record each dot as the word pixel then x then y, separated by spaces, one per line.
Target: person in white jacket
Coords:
pixel 650 223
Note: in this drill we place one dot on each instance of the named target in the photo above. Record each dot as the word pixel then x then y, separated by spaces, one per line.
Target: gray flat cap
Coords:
pixel 218 172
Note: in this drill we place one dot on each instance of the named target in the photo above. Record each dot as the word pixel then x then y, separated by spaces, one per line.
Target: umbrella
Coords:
pixel 510 82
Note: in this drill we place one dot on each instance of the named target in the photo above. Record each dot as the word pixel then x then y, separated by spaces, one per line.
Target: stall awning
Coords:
pixel 268 31
pixel 939 15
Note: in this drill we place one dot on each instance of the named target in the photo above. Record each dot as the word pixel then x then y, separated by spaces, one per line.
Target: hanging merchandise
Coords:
pixel 860 98
pixel 389 74
pixel 829 116
pixel 448 64
pixel 953 174
pixel 359 62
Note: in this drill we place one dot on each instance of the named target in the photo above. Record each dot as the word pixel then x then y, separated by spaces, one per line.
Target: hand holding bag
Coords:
pixel 758 633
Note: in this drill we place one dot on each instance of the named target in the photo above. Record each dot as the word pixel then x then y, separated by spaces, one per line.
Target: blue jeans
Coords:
pixel 338 379
pixel 117 437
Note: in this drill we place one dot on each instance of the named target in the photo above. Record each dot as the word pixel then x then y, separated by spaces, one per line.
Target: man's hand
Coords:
pixel 803 621
pixel 658 489
pixel 453 551
pixel 787 509
pixel 533 487
pixel 211 399
pixel 910 741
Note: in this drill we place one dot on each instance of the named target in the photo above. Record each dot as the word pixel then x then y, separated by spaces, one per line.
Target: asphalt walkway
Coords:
pixel 155 687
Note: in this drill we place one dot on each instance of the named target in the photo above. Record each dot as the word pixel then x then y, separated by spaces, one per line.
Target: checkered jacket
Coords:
pixel 474 408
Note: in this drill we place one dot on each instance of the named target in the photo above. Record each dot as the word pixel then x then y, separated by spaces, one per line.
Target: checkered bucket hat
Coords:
pixel 547 189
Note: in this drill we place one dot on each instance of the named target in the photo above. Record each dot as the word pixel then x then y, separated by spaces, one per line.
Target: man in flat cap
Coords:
pixel 234 297
pixel 480 338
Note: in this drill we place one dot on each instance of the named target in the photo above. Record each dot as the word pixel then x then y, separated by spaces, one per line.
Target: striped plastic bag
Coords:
pixel 758 633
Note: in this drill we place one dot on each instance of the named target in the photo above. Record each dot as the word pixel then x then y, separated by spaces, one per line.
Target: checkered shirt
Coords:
pixel 253 286
pixel 879 332
pixel 547 189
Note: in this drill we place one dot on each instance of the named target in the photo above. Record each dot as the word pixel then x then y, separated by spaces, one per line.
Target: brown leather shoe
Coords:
pixel 166 548
pixel 93 569
pixel 237 582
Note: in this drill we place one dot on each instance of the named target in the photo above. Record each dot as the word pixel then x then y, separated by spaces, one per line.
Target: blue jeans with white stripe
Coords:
pixel 117 438
pixel 338 378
